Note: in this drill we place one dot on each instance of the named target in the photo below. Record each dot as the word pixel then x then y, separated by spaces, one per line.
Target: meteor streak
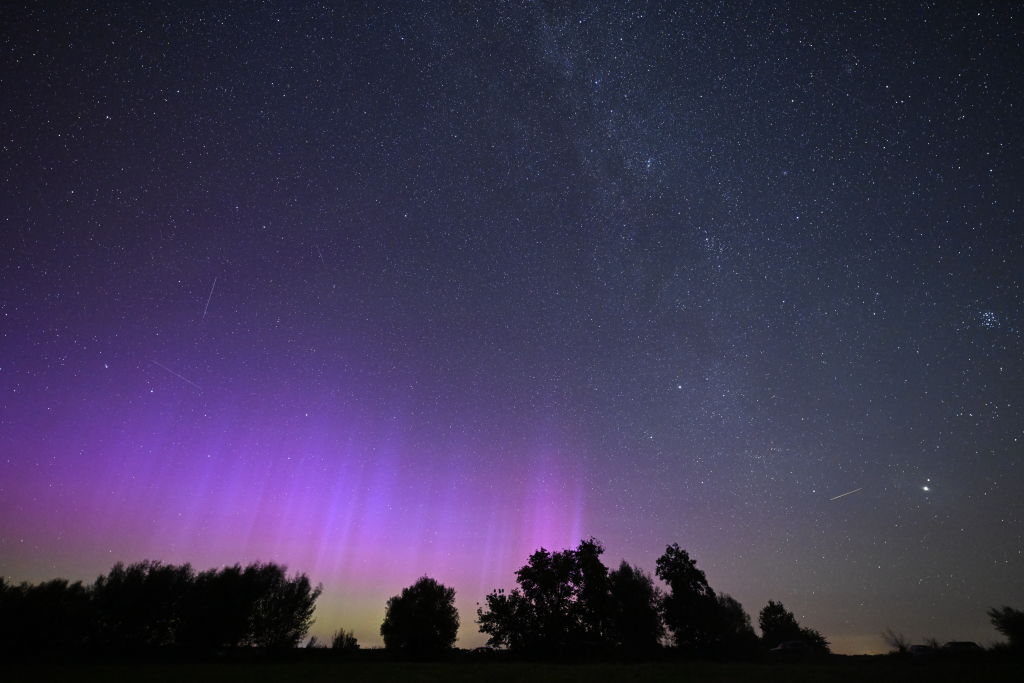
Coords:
pixel 207 307
pixel 183 379
pixel 846 494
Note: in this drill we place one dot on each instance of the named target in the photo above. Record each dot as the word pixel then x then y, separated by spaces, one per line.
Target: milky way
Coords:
pixel 395 289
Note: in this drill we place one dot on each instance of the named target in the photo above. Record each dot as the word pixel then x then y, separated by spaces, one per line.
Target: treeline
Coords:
pixel 568 603
pixel 565 604
pixel 149 606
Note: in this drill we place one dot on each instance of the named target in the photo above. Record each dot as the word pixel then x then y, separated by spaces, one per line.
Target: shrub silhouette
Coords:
pixel 344 640
pixel 779 625
pixel 897 642
pixel 422 621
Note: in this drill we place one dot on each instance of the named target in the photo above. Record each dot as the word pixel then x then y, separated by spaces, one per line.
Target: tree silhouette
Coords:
pixel 897 642
pixel 593 595
pixel 422 621
pixel 138 606
pixel 149 605
pixel 690 608
pixel 734 635
pixel 217 611
pixel 258 606
pixel 53 615
pixel 508 620
pixel 563 604
pixel 568 603
pixel 779 625
pixel 1009 622
pixel 635 620
pixel 344 640
pixel 282 610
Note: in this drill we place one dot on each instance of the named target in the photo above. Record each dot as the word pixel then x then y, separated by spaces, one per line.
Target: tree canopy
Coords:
pixel 778 625
pixel 1009 622
pixel 635 619
pixel 422 620
pixel 563 604
pixel 700 620
pixel 150 605
pixel 690 607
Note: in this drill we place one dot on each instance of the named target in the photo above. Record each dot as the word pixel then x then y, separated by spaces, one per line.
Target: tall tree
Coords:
pixel 635 618
pixel 422 621
pixel 593 596
pixel 690 607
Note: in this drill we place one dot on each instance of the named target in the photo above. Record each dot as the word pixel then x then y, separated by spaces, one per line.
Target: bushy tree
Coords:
pixel 282 611
pixel 422 621
pixel 138 606
pixel 563 604
pixel 1009 622
pixel 635 618
pixel 508 620
pixel 779 625
pixel 344 640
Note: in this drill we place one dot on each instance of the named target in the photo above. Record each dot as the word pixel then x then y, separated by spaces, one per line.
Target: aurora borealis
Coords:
pixel 390 289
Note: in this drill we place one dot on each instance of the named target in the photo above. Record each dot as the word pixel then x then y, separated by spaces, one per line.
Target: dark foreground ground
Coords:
pixel 838 669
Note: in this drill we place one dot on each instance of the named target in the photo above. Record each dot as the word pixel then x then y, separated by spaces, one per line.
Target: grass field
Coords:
pixel 838 669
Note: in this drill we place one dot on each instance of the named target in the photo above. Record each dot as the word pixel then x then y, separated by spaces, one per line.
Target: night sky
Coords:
pixel 394 289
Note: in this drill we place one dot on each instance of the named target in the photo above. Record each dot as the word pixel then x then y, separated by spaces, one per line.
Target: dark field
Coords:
pixel 861 669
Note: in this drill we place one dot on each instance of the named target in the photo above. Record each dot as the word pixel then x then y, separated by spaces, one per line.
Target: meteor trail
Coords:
pixel 846 494
pixel 183 379
pixel 207 307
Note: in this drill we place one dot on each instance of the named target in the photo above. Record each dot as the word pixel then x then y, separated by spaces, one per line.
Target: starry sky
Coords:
pixel 383 289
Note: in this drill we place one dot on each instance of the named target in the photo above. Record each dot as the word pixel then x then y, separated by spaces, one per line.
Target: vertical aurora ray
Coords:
pixel 386 289
pixel 352 502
